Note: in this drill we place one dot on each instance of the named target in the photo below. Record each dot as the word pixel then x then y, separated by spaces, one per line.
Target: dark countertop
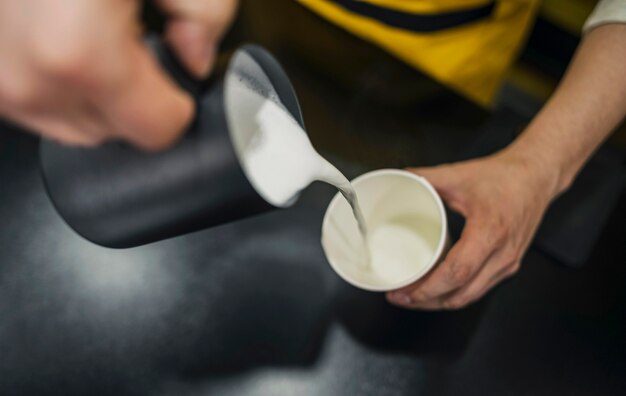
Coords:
pixel 252 308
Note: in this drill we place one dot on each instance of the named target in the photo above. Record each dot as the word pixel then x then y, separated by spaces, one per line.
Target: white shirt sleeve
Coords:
pixel 607 11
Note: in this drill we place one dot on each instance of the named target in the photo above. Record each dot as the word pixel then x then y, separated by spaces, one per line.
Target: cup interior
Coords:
pixel 405 219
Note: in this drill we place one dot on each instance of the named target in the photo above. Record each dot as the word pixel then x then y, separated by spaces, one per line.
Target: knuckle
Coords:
pixel 501 234
pixel 421 295
pixel 511 259
pixel 71 61
pixel 513 269
pixel 459 273
pixel 500 231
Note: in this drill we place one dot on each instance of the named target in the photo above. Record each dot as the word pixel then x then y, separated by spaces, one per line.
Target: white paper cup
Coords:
pixel 407 228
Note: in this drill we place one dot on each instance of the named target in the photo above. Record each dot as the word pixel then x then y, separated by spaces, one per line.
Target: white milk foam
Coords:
pixel 396 250
pixel 280 161
pixel 283 162
pixel 275 151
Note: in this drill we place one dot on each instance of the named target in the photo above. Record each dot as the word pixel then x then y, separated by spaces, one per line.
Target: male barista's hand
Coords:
pixel 503 198
pixel 77 71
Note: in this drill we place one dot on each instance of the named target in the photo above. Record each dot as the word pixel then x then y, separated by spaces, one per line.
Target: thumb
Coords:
pixel 142 104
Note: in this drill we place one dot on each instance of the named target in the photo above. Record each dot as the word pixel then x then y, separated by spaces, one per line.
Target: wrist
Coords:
pixel 544 172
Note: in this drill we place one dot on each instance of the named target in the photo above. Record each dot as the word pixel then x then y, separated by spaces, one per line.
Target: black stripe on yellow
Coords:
pixel 420 23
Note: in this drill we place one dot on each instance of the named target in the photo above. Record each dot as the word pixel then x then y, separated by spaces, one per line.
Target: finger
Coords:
pixel 193 45
pixel 61 113
pixel 80 117
pixel 459 267
pixel 63 130
pixel 142 104
pixel 430 305
pixel 69 124
pixel 482 283
pixel 495 271
pixel 91 122
pixel 195 29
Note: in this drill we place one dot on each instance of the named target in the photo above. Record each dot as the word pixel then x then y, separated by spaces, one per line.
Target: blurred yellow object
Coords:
pixel 531 81
pixel 471 56
pixel 570 18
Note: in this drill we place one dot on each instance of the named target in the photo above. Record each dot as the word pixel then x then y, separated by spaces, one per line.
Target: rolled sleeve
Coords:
pixel 607 11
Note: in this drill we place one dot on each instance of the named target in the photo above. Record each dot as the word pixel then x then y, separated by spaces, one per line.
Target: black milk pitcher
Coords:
pixel 118 196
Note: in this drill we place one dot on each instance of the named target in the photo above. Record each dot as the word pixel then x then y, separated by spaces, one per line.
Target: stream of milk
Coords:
pixel 283 179
pixel 276 153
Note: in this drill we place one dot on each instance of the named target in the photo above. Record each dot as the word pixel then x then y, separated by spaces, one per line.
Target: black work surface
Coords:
pixel 252 308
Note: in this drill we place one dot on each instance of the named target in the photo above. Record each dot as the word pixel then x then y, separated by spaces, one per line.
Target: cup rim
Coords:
pixel 442 235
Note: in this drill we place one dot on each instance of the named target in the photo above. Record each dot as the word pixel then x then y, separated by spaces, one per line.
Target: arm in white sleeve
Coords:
pixel 607 11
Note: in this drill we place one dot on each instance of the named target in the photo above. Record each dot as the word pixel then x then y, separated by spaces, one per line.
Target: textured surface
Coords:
pixel 252 308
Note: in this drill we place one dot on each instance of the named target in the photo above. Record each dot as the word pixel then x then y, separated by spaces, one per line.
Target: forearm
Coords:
pixel 586 107
pixel 504 197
